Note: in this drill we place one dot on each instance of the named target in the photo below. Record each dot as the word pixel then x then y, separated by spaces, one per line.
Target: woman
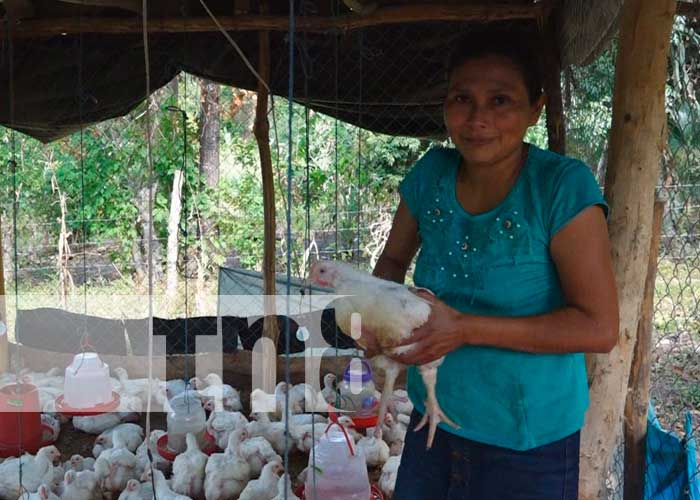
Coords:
pixel 513 242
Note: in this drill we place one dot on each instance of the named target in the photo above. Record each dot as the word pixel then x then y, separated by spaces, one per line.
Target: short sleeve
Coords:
pixel 413 184
pixel 575 190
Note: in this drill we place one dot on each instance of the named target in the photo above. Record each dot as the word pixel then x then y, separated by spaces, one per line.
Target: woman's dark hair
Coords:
pixel 513 43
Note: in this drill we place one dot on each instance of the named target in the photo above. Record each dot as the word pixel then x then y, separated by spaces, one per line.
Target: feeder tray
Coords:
pixel 67 410
pixel 374 494
pixel 361 423
pixel 169 455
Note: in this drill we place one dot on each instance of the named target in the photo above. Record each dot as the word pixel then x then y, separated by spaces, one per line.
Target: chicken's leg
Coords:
pixel 391 373
pixel 433 412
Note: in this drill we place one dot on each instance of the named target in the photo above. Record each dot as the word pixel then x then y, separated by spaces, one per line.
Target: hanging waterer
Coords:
pixel 87 387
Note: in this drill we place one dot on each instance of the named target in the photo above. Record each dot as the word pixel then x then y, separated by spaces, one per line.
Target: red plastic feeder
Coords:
pixel 374 494
pixel 19 411
pixel 67 410
pixel 165 452
pixel 361 423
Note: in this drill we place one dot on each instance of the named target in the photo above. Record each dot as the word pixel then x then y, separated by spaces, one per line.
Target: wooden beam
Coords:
pixel 688 9
pixel 130 5
pixel 637 405
pixel 314 24
pixel 4 359
pixel 637 140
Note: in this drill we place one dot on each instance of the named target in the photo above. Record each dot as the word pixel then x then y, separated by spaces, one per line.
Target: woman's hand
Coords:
pixel 441 334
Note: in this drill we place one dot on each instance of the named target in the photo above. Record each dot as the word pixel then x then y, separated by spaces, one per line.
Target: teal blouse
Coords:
pixel 498 263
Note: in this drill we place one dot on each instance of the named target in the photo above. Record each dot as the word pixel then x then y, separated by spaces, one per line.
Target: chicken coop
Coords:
pixel 173 168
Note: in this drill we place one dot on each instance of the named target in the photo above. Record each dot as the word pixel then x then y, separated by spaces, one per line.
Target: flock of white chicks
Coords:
pixel 250 466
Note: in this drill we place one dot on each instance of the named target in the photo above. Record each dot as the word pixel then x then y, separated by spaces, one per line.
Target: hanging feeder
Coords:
pixel 21 429
pixel 357 395
pixel 87 387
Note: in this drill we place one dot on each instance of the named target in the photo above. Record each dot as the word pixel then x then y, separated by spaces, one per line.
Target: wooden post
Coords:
pixel 262 136
pixel 637 141
pixel 3 311
pixel 551 79
pixel 636 406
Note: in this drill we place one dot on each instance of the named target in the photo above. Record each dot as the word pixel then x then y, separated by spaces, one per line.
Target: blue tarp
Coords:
pixel 672 469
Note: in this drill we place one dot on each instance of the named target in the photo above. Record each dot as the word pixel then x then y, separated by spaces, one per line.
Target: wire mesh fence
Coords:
pixel 82 219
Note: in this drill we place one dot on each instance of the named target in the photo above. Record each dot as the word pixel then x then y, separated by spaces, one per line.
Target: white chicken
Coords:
pixel 142 460
pixel 285 480
pixel 257 451
pixel 51 428
pixel 81 486
pixel 43 492
pixel 131 433
pixel 78 463
pixel 400 403
pixel 222 423
pixel 264 488
pixel 99 423
pixel 387 480
pixel 391 312
pixel 36 470
pixel 375 449
pixel 188 470
pixel 349 426
pixel 212 387
pixel 394 430
pixel 329 388
pixel 275 432
pixel 116 465
pixel 227 473
pixel 134 387
pixel 132 491
pixel 163 491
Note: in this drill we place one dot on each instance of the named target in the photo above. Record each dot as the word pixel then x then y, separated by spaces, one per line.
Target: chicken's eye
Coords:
pixel 322 271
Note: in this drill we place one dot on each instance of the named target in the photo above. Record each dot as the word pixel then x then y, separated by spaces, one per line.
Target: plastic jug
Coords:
pixel 357 391
pixel 186 415
pixel 87 382
pixel 339 471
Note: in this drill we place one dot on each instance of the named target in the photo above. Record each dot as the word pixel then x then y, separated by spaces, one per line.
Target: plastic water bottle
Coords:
pixel 357 391
pixel 340 469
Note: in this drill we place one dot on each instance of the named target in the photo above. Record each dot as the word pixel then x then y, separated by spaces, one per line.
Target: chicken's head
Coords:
pixel 51 453
pixel 76 461
pixel 69 477
pixel 133 486
pixel 324 273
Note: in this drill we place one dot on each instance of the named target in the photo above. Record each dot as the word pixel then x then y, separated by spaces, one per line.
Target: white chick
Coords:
pixel 163 491
pixel 116 465
pixel 99 423
pixel 43 493
pixel 188 470
pixel 131 433
pixel 394 430
pixel 349 426
pixel 222 423
pixel 132 387
pixel 387 480
pixel 142 460
pixel 329 389
pixel 81 486
pixel 274 432
pixel 36 470
pixel 264 488
pixel 212 387
pixel 375 449
pixel 257 451
pixel 391 311
pixel 132 491
pixel 285 480
pixel 175 387
pixel 78 463
pixel 227 473
pixel 51 428
pixel 400 403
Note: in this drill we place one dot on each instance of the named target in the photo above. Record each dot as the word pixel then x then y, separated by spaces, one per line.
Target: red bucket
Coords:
pixel 20 420
pixel 374 494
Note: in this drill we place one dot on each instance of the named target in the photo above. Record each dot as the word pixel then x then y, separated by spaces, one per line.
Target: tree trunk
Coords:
pixel 174 233
pixel 209 123
pixel 636 143
pixel 554 110
pixel 637 404
pixel 146 227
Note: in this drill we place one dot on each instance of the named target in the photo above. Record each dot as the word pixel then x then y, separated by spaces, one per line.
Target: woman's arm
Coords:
pixel 400 248
pixel 588 323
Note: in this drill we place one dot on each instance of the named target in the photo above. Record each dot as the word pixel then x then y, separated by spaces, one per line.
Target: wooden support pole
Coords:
pixel 262 136
pixel 637 404
pixel 556 124
pixel 315 24
pixel 4 356
pixel 637 141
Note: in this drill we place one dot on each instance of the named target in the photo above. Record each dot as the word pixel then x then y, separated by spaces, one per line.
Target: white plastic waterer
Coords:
pixel 87 382
pixel 340 469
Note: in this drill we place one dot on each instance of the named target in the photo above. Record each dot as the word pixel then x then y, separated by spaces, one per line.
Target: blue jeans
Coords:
pixel 460 469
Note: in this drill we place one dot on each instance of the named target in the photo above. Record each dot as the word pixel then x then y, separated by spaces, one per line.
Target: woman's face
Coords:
pixel 487 109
